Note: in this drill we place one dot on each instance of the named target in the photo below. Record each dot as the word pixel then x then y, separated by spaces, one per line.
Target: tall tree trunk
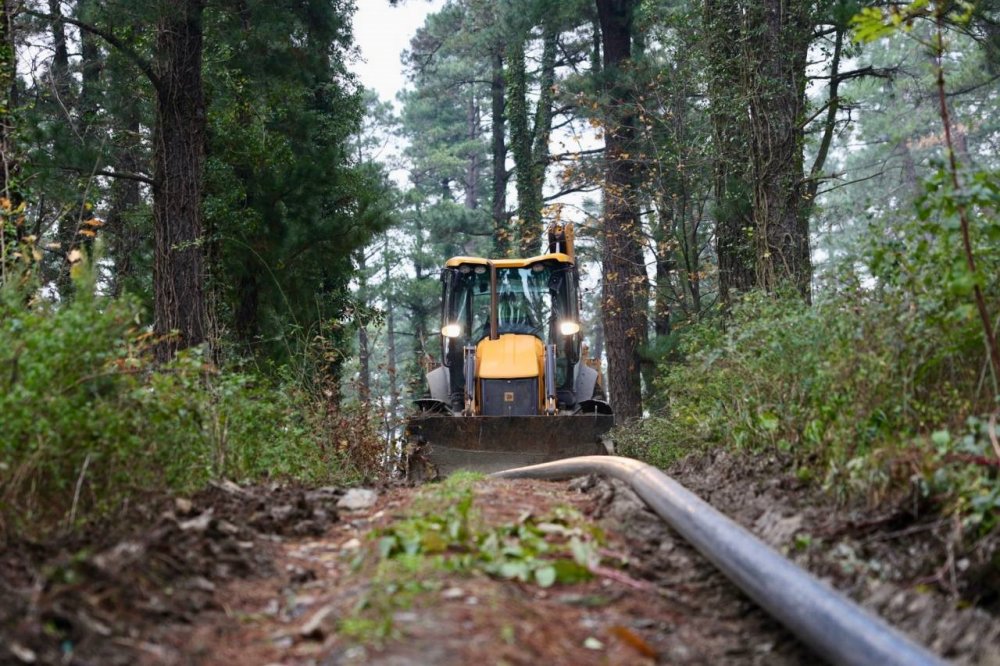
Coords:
pixel 595 44
pixel 390 326
pixel 472 165
pixel 364 365
pixel 666 266
pixel 68 222
pixel 625 287
pixel 777 36
pixel 246 317
pixel 11 229
pixel 530 142
pixel 829 124
pixel 124 235
pixel 528 215
pixel 179 157
pixel 734 222
pixel 91 69
pixel 501 234
pixel 59 70
pixel 541 132
pixel 364 348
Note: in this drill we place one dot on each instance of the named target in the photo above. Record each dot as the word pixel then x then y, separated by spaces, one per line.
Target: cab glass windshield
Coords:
pixel 533 300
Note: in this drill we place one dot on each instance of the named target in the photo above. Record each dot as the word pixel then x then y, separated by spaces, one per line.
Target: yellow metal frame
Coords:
pixel 455 262
pixel 511 356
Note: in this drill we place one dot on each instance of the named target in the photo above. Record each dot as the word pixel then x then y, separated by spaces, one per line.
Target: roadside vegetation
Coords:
pixel 176 254
pixel 791 248
pixel 886 387
pixel 91 423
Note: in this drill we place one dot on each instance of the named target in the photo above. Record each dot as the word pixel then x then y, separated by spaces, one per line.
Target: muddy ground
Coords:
pixel 274 575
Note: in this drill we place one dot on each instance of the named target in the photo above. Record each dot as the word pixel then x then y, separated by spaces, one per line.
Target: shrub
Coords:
pixel 853 388
pixel 87 423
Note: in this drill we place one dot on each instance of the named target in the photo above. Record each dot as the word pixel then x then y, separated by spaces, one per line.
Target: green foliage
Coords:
pixel 286 200
pixel 556 549
pixel 851 388
pixel 956 473
pixel 444 535
pixel 89 423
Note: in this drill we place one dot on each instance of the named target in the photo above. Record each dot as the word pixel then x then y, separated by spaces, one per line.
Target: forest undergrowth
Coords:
pixel 885 388
pixel 876 397
pixel 92 424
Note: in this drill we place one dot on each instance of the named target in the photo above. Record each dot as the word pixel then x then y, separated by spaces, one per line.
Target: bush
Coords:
pixel 88 423
pixel 853 388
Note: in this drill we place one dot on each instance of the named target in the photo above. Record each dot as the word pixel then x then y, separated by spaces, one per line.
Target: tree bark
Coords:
pixel 68 222
pixel 390 326
pixel 364 365
pixel 530 141
pixel 364 348
pixel 11 230
pixel 473 165
pixel 666 266
pixel 734 222
pixel 829 124
pixel 181 317
pixel 625 283
pixel 540 141
pixel 776 43
pixel 122 230
pixel 520 143
pixel 501 235
pixel 246 317
pixel 91 69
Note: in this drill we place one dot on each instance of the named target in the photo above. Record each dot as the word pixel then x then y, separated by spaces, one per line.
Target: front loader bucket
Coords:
pixel 444 443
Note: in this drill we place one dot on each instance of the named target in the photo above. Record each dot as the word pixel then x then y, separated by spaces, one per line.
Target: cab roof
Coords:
pixel 509 263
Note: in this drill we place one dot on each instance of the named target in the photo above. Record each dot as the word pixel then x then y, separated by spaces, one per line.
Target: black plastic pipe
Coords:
pixel 836 628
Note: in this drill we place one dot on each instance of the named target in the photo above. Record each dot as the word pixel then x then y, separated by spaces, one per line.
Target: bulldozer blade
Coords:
pixel 444 443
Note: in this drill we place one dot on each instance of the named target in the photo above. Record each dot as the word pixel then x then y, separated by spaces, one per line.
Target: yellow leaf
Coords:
pixel 74 256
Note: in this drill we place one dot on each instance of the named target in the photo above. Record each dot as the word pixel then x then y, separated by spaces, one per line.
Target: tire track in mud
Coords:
pixel 268 575
pixel 668 606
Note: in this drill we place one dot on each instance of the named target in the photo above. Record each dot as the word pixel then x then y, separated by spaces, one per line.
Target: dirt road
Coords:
pixel 469 571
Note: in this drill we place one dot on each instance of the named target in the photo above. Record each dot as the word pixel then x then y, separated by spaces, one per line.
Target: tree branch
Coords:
pixel 572 190
pixel 144 65
pixel 126 175
pixel 122 175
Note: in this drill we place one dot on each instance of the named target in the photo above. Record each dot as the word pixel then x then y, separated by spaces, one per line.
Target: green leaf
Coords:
pixel 869 24
pixel 941 438
pixel 769 421
pixel 386 545
pixel 545 576
pixel 514 569
pixel 569 572
pixel 433 542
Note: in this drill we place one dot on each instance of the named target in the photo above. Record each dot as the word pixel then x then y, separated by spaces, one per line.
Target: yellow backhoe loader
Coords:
pixel 513 389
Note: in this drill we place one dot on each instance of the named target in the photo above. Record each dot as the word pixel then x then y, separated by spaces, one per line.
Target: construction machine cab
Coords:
pixel 511 327
pixel 512 386
pixel 538 298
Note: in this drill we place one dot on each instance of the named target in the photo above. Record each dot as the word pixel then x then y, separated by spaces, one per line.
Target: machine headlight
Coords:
pixel 569 328
pixel 451 330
